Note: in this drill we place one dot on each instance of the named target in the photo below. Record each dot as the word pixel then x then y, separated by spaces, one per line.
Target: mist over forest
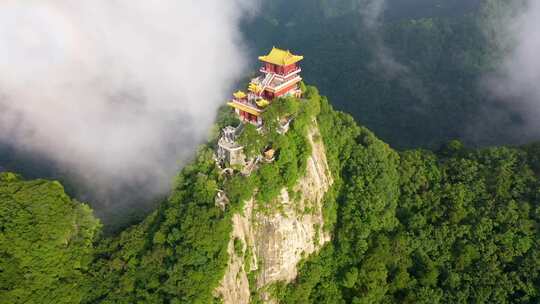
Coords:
pixel 113 98
pixel 399 164
pixel 412 71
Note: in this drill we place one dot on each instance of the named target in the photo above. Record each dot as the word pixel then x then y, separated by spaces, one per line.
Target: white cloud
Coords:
pixel 117 90
pixel 517 78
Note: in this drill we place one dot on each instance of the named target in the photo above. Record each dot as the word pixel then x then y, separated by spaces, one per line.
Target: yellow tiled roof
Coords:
pixel 255 88
pixel 244 108
pixel 240 95
pixel 262 103
pixel 280 57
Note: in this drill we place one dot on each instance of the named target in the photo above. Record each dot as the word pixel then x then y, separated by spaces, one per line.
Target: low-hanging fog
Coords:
pixel 510 89
pixel 118 93
pixel 515 82
pixel 372 13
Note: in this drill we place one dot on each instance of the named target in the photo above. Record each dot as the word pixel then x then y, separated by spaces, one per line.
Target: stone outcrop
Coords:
pixel 268 245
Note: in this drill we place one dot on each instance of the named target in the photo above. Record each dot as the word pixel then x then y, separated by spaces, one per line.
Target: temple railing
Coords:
pixel 297 70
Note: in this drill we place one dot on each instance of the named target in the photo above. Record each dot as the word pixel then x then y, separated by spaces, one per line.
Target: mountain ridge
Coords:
pixel 453 226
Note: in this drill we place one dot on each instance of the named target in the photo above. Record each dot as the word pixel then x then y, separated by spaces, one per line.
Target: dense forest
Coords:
pixel 422 92
pixel 453 226
pixel 46 242
pixel 421 209
pixel 410 70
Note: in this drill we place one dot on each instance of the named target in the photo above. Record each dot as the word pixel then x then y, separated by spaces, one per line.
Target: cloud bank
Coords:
pixel 118 91
pixel 372 12
pixel 516 81
pixel 372 15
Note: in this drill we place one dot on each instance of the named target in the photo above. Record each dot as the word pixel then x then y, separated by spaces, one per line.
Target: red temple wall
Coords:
pixel 285 90
pixel 290 68
pixel 271 95
pixel 247 116
pixel 282 70
pixel 268 95
pixel 269 67
pixel 290 77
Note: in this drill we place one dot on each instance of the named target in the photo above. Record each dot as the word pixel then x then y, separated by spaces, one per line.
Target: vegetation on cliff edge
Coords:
pixel 451 226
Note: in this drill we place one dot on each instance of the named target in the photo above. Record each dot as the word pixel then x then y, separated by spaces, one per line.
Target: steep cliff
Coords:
pixel 456 226
pixel 267 243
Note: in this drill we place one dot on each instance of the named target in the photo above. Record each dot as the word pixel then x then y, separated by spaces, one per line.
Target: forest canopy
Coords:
pixel 452 226
pixel 46 242
pixel 456 225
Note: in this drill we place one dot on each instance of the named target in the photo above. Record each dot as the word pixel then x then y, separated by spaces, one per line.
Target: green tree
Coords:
pixel 46 242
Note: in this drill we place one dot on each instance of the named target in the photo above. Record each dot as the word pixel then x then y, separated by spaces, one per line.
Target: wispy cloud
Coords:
pixel 120 92
pixel 372 15
pixel 515 34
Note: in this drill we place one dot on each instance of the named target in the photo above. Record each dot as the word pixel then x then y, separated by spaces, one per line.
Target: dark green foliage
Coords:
pixel 240 188
pixel 238 247
pixel 176 256
pixel 442 44
pixel 292 148
pixel 226 117
pixel 45 242
pixel 179 254
pixel 251 140
pixel 414 78
pixel 533 157
pixel 457 227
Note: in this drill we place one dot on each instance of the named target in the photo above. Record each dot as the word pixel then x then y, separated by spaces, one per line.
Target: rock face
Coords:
pixel 268 245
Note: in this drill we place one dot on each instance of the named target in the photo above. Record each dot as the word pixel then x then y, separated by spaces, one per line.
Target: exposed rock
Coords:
pixel 234 287
pixel 229 152
pixel 221 200
pixel 274 242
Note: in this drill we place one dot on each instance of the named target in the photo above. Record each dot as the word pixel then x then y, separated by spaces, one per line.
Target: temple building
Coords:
pixel 229 152
pixel 280 77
